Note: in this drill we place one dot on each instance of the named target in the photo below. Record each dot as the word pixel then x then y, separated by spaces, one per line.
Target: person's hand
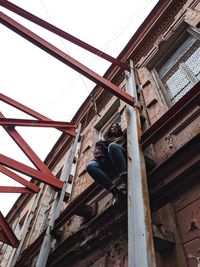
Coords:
pixel 138 106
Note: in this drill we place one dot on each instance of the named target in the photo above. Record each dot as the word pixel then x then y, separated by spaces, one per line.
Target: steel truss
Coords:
pixel 43 174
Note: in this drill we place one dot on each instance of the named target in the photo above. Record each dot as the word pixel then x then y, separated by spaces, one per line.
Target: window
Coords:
pixel 181 71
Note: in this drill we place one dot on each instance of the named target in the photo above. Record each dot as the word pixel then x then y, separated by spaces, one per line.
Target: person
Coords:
pixel 109 160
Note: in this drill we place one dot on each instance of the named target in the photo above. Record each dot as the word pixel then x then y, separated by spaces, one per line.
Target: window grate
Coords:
pixel 182 70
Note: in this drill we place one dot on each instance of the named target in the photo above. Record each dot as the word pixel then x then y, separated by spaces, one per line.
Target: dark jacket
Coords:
pixel 101 146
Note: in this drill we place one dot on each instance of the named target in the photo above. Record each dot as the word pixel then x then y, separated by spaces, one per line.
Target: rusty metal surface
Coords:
pixel 16 9
pixel 140 243
pixel 66 59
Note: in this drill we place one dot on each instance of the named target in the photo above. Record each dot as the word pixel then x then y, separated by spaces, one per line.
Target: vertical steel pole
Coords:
pixel 46 245
pixel 140 239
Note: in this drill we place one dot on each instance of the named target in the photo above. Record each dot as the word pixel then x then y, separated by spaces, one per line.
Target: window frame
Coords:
pixel 163 91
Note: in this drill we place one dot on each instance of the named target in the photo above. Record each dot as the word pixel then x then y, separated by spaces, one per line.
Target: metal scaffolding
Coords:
pixel 47 241
pixel 141 251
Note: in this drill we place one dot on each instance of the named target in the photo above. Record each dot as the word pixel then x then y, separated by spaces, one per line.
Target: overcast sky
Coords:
pixel 41 82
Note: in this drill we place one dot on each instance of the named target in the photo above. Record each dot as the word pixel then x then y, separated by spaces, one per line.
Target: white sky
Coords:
pixel 41 82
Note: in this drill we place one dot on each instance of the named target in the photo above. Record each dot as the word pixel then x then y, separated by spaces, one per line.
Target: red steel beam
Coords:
pixel 19 179
pixel 27 15
pixel 69 61
pixel 7 231
pixel 36 123
pixel 3 238
pixel 43 177
pixel 13 189
pixel 26 149
pixel 29 111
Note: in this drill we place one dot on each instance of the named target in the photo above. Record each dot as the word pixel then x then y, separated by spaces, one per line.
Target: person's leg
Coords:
pixel 116 153
pixel 98 172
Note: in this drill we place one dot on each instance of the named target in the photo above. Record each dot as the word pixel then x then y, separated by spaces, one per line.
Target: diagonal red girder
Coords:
pixel 36 123
pixel 19 179
pixel 26 149
pixel 20 167
pixel 66 59
pixel 44 175
pixel 7 233
pixel 18 10
pixel 3 237
pixel 31 112
pixel 15 189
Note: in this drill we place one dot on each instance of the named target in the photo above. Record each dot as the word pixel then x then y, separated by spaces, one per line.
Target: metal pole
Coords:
pixel 46 245
pixel 26 227
pixel 140 239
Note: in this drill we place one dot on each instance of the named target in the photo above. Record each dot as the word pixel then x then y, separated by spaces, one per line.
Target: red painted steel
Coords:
pixel 61 33
pixel 36 123
pixel 31 112
pixel 19 179
pixel 3 238
pixel 43 177
pixel 26 149
pixel 7 231
pixel 74 64
pixel 13 189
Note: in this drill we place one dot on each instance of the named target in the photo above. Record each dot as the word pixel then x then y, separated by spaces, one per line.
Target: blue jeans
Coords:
pixel 101 171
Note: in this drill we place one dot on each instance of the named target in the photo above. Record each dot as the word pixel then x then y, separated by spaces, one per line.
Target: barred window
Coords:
pixel 182 69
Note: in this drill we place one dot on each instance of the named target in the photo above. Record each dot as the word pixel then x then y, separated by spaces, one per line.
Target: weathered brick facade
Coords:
pixel 100 238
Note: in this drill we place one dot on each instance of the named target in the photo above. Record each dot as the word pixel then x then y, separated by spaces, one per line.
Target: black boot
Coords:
pixel 116 194
pixel 123 186
pixel 123 177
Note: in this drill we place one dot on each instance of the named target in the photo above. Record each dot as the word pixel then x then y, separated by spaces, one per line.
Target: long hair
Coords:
pixel 108 134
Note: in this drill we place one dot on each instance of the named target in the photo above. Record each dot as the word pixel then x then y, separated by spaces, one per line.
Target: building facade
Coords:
pixel 165 55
